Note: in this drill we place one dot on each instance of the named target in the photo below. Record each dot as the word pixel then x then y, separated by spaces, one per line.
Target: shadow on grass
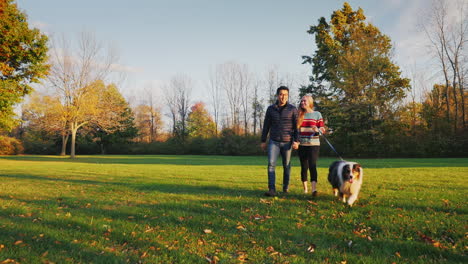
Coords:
pixel 203 160
pixel 148 159
pixel 173 230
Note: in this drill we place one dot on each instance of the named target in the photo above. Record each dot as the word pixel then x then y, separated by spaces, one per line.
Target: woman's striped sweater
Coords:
pixel 307 136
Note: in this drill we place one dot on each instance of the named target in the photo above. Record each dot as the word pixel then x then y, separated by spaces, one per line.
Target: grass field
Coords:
pixel 211 209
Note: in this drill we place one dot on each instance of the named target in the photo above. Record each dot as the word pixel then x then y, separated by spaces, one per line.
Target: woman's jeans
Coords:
pixel 274 149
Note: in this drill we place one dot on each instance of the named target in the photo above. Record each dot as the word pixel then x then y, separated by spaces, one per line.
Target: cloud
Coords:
pixel 410 41
pixel 42 26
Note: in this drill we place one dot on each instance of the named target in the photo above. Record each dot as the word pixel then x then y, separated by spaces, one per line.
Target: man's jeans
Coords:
pixel 274 149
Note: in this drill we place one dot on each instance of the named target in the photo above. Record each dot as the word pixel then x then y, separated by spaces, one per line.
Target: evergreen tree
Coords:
pixel 354 79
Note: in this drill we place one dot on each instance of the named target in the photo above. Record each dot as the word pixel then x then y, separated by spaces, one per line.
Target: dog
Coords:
pixel 346 180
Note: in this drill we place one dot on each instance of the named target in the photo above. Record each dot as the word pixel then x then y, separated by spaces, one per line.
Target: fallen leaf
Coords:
pixel 270 249
pixel 241 227
pixel 18 242
pixel 311 248
pixel 207 231
pixel 266 201
pixel 398 254
pixel 9 261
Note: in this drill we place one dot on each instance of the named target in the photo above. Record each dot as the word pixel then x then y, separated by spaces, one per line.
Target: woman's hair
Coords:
pixel 310 103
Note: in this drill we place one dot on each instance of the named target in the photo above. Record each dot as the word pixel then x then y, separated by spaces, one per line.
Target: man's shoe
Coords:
pixel 285 191
pixel 314 194
pixel 270 193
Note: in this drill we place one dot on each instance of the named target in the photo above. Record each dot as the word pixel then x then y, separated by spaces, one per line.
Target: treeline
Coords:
pixel 369 108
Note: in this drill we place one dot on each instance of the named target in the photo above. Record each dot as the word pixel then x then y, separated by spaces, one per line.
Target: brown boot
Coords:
pixel 271 193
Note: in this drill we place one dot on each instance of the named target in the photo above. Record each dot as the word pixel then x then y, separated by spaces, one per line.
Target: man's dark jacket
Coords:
pixel 281 122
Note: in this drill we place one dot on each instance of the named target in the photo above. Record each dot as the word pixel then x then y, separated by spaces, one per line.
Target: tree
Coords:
pixel 119 128
pixel 447 32
pixel 177 96
pixel 235 80
pixel 43 114
pixel 78 78
pixel 23 57
pixel 353 79
pixel 154 119
pixel 257 109
pixel 215 90
pixel 199 122
pixel 149 122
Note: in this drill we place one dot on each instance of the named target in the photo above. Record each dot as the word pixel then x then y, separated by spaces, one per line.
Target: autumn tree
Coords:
pixel 43 114
pixel 200 124
pixel 77 76
pixel 23 60
pixel 148 121
pixel 113 129
pixel 354 80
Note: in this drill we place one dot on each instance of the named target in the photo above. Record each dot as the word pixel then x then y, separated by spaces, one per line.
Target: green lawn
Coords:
pixel 202 209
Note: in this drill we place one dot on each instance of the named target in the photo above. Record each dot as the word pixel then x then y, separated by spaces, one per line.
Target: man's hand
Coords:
pixel 263 145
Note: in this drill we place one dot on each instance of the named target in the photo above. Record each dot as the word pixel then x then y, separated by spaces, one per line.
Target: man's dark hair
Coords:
pixel 281 88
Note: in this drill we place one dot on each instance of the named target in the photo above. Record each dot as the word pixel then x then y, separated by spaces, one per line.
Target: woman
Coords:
pixel 309 123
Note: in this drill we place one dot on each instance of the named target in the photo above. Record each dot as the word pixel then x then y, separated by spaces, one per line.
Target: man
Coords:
pixel 280 123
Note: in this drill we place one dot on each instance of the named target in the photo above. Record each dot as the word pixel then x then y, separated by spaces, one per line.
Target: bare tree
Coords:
pixel 245 86
pixel 216 93
pixel 447 33
pixel 153 112
pixel 257 107
pixel 235 82
pixel 274 79
pixel 75 75
pixel 272 82
pixel 177 96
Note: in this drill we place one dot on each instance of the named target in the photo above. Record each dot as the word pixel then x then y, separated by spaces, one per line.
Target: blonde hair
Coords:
pixel 310 103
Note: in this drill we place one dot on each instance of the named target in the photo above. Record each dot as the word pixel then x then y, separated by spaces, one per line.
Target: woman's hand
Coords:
pixel 295 145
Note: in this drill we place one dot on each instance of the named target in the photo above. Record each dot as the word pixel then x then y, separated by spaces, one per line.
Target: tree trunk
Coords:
pixel 64 144
pixel 461 85
pixel 74 128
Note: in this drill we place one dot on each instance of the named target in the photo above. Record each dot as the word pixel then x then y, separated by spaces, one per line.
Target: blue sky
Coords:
pixel 157 39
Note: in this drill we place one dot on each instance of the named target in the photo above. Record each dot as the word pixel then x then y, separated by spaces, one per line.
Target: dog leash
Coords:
pixel 329 144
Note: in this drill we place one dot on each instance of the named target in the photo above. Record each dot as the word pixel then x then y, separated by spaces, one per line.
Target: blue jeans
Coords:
pixel 274 149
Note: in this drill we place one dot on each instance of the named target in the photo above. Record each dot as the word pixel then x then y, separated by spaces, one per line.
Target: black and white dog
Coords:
pixel 346 179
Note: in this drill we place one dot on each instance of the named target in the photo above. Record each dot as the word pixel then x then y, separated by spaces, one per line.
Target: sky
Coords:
pixel 159 39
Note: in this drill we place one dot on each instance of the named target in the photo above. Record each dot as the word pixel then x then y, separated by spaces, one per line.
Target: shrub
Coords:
pixel 10 146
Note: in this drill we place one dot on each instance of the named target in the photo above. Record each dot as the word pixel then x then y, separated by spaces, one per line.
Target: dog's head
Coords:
pixel 351 172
